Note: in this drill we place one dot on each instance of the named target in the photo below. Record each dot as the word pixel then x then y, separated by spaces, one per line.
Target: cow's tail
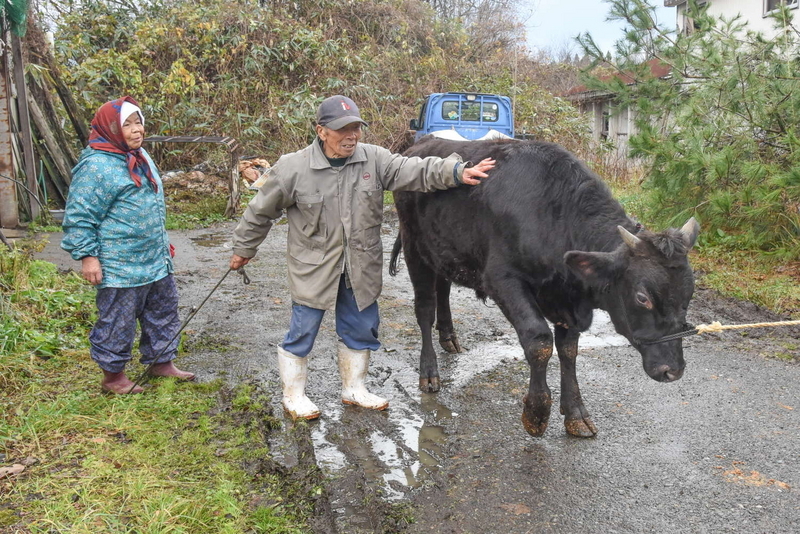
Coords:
pixel 398 245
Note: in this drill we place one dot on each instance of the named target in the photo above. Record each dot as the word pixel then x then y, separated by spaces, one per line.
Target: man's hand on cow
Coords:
pixel 238 262
pixel 472 175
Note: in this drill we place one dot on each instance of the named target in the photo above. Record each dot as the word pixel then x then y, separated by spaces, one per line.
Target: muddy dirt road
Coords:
pixel 717 451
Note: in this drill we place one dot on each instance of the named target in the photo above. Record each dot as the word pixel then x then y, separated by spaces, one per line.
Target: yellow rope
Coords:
pixel 717 327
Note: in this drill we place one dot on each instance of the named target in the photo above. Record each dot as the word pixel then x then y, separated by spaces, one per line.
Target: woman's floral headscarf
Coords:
pixel 107 136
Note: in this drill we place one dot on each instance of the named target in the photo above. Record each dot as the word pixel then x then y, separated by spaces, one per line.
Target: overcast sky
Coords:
pixel 552 24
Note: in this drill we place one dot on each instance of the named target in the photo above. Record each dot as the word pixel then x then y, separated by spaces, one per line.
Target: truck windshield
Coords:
pixel 454 110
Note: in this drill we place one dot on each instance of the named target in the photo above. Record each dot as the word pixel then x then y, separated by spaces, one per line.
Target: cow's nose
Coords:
pixel 673 374
pixel 665 373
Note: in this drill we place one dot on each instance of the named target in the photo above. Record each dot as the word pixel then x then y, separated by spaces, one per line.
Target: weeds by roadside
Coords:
pixel 187 211
pixel 772 284
pixel 181 457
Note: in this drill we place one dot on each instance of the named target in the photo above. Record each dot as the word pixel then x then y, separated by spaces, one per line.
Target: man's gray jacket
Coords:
pixel 335 216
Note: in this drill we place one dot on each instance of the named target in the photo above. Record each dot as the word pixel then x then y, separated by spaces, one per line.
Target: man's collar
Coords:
pixel 320 161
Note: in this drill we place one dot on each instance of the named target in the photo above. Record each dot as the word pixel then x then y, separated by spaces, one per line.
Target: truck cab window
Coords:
pixel 489 112
pixel 450 110
pixel 470 111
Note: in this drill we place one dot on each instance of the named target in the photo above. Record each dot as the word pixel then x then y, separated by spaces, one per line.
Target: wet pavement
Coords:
pixel 717 451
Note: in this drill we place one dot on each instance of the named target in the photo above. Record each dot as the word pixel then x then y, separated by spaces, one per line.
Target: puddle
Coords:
pixel 329 457
pixel 402 461
pixel 601 334
pixel 394 457
pixel 212 240
pixel 478 359
pixel 281 449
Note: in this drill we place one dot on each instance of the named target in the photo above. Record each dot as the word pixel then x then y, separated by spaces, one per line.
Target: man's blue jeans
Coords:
pixel 358 330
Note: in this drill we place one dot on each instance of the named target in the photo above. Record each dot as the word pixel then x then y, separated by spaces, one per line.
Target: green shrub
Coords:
pixel 256 71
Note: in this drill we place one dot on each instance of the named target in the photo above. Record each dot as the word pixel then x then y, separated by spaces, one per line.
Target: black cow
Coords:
pixel 544 239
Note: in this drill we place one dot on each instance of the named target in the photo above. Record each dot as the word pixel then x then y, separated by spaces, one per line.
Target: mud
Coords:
pixel 716 451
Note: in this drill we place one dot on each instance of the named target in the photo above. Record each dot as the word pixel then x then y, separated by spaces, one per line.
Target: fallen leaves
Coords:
pixel 516 509
pixel 12 471
pixel 16 469
pixel 751 478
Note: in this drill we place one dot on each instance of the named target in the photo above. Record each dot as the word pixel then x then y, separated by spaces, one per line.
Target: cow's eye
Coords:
pixel 643 300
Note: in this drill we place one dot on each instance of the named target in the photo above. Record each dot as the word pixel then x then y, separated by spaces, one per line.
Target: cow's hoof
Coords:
pixel 429 385
pixel 450 344
pixel 580 428
pixel 535 419
pixel 534 428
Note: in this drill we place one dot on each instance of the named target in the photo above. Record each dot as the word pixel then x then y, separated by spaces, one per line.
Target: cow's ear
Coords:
pixel 594 268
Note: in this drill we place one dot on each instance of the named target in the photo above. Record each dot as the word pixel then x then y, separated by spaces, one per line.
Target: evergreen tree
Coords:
pixel 721 131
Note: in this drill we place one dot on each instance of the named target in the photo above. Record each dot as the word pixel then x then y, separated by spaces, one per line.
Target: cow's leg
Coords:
pixel 576 418
pixel 515 300
pixel 444 319
pixel 424 281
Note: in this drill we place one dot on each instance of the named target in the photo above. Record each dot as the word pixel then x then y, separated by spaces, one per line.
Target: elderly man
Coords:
pixel 332 192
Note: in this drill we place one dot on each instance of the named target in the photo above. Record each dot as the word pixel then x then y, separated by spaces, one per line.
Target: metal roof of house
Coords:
pixel 580 93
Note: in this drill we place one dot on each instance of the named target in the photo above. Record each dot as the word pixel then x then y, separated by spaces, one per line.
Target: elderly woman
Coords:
pixel 114 224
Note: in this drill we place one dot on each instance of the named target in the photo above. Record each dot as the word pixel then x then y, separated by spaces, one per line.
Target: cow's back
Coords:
pixel 539 202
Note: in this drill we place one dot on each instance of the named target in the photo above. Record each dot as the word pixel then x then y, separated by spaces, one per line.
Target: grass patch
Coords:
pixel 187 210
pixel 772 284
pixel 792 349
pixel 218 343
pixel 171 460
pixel 182 457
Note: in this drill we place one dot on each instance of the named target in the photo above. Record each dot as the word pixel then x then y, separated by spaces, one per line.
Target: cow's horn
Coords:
pixel 689 232
pixel 629 239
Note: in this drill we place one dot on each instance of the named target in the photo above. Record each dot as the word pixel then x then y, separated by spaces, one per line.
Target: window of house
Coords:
pixel 772 5
pixel 689 24
pixel 604 125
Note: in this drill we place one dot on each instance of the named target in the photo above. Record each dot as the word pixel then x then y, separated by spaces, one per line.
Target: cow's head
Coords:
pixel 645 286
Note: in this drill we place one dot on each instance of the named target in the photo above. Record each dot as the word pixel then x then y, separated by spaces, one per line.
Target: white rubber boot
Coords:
pixel 294 371
pixel 353 365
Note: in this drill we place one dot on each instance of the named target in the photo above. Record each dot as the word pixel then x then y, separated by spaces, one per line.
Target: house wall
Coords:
pixel 752 11
pixel 610 124
pixel 621 127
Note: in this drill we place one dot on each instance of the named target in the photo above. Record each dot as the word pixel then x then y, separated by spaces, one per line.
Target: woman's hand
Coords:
pixel 91 271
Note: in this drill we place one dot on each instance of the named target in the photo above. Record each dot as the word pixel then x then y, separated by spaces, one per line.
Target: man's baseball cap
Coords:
pixel 338 111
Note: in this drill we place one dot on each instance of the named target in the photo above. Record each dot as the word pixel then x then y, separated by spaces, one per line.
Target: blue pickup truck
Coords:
pixel 464 116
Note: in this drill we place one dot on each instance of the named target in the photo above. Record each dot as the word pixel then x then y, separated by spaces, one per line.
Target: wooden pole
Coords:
pixel 55 185
pixel 53 148
pixel 26 139
pixel 9 213
pixel 41 94
pixel 41 50
pixel 233 181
